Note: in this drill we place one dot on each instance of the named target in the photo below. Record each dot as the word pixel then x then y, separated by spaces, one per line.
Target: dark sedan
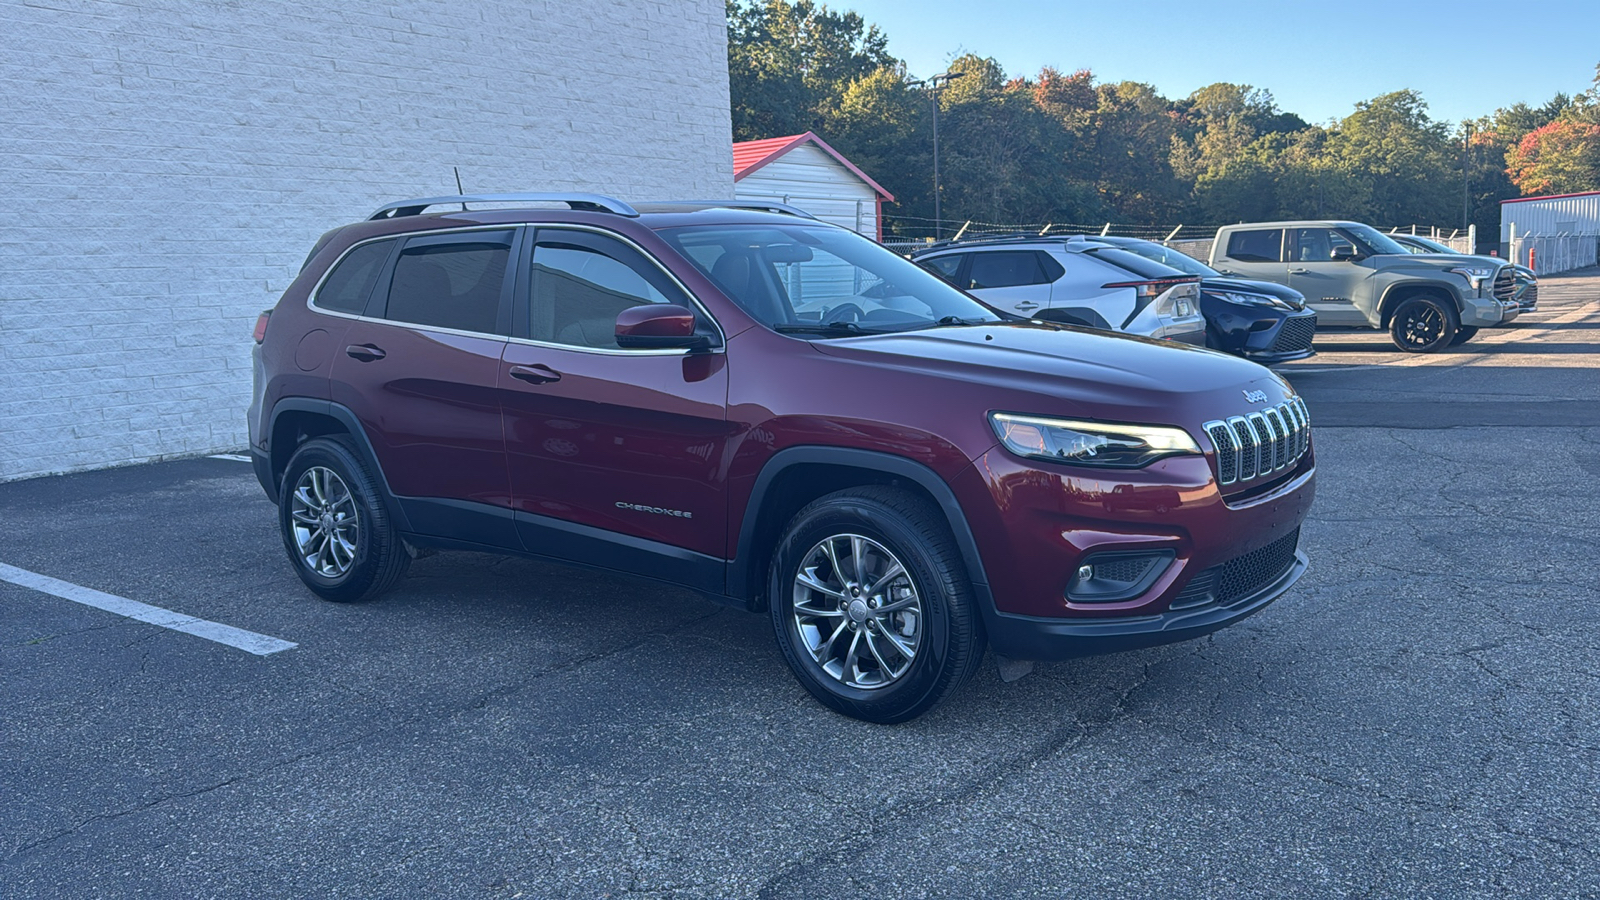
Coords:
pixel 1260 321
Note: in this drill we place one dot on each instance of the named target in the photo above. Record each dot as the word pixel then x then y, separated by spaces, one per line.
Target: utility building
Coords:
pixel 1553 233
pixel 803 171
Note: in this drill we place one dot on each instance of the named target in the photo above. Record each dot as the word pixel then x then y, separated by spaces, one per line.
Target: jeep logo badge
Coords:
pixel 1256 396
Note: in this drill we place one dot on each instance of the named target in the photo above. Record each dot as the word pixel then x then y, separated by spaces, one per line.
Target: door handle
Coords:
pixel 1299 271
pixel 365 352
pixel 535 374
pixel 1027 304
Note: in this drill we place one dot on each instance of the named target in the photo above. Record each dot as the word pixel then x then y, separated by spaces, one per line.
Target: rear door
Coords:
pixel 1255 253
pixel 419 370
pixel 1330 286
pixel 1013 280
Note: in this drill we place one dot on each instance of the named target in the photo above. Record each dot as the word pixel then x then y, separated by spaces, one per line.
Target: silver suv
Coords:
pixel 1356 276
pixel 1074 280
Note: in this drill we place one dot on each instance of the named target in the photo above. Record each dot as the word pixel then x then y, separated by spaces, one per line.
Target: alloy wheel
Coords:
pixel 326 523
pixel 1423 326
pixel 857 611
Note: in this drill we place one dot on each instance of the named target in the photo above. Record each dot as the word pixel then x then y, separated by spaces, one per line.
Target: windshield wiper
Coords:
pixel 835 329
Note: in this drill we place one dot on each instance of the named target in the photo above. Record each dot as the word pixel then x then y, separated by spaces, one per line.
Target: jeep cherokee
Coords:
pixel 779 414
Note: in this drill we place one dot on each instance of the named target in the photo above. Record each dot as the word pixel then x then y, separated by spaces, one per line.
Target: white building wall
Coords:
pixel 165 165
pixel 808 178
pixel 1578 214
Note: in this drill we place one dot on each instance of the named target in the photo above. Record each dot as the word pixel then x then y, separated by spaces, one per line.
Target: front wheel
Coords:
pixel 336 529
pixel 872 606
pixel 1423 325
pixel 1463 334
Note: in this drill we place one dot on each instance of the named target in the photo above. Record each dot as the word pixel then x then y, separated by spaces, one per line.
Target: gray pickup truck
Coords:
pixel 1357 277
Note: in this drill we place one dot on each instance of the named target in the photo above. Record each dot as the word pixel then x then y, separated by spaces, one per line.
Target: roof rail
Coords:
pixel 589 202
pixel 753 205
pixel 1012 237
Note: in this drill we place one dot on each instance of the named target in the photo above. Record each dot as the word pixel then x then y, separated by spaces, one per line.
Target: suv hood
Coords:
pixel 1051 369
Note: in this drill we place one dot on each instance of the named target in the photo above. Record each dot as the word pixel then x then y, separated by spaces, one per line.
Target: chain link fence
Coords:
pixel 1547 254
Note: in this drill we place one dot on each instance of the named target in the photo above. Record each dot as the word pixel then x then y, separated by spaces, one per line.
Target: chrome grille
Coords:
pixel 1505 284
pixel 1261 443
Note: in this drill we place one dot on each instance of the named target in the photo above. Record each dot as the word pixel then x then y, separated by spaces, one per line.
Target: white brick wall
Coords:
pixel 165 165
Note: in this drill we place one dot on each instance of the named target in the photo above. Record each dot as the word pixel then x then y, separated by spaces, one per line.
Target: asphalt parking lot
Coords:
pixel 1418 718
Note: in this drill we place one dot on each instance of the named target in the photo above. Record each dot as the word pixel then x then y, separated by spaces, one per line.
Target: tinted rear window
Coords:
pixel 350 283
pixel 1256 246
pixel 450 285
pixel 1011 268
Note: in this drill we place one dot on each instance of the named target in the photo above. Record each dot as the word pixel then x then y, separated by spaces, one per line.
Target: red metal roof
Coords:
pixel 749 156
pixel 1512 200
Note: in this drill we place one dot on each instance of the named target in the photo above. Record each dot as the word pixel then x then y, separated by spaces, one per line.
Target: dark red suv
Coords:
pixel 779 414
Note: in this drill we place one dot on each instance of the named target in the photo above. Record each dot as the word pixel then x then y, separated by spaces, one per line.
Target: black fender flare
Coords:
pixel 744 583
pixel 358 434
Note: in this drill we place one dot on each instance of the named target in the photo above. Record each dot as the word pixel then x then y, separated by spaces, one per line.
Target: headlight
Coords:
pixel 1248 299
pixel 1473 274
pixel 1090 443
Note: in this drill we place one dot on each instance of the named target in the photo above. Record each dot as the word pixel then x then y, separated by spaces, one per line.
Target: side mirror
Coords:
pixel 658 326
pixel 1345 254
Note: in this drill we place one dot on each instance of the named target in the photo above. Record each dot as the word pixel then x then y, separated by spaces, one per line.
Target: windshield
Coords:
pixel 1167 256
pixel 800 278
pixel 1428 246
pixel 1375 240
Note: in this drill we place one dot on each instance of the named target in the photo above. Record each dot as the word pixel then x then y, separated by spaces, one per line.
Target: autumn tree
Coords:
pixel 1562 157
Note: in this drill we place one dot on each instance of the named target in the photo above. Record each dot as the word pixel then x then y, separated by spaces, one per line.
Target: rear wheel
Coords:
pixel 872 606
pixel 1423 324
pixel 336 529
pixel 1463 334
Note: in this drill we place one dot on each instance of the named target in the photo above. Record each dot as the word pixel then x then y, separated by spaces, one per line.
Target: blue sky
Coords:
pixel 1467 57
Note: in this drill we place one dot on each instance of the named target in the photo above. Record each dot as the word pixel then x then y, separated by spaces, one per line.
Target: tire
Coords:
pixel 1423 324
pixel 901 661
pixel 1463 334
pixel 328 485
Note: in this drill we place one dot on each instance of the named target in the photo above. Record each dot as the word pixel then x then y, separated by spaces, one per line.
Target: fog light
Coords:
pixel 1117 575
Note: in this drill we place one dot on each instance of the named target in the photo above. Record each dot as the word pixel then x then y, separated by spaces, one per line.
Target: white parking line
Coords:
pixel 248 641
pixel 233 456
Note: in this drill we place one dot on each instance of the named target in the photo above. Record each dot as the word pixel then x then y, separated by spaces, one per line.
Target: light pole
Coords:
pixel 1466 164
pixel 934 83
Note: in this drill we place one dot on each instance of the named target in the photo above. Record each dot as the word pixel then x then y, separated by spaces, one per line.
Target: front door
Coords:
pixel 1330 285
pixel 616 456
pixel 420 370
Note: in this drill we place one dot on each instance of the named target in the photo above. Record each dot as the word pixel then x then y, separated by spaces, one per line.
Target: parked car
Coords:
pixel 894 473
pixel 1258 320
pixel 1527 282
pixel 1066 279
pixel 1357 277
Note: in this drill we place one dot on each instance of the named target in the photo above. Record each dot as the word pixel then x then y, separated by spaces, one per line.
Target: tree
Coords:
pixel 1562 157
pixel 788 63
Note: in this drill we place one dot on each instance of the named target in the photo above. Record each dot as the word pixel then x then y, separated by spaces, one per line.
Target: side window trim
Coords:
pixel 520 326
pixel 377 303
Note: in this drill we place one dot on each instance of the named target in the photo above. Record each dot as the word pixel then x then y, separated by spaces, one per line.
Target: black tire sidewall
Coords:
pixel 1403 312
pixel 338 458
pixel 854 515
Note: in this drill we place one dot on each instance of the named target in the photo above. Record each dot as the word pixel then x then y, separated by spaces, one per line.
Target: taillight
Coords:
pixel 1153 288
pixel 261 326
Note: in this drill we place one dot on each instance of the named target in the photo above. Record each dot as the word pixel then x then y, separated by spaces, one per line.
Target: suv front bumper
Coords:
pixel 1225 557
pixel 1048 639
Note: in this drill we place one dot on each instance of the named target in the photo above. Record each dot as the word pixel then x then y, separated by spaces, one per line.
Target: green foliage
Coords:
pixel 1063 148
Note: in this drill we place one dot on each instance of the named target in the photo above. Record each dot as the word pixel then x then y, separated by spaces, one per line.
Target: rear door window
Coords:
pixel 1256 246
pixel 349 286
pixel 455 281
pixel 1011 268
